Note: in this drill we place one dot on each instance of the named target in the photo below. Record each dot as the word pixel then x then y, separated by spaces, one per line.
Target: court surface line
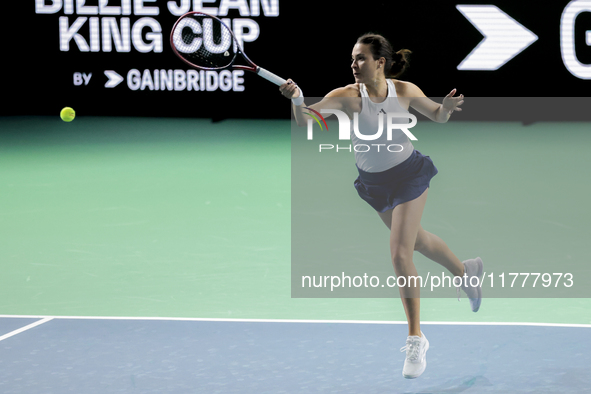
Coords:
pixel 25 328
pixel 47 318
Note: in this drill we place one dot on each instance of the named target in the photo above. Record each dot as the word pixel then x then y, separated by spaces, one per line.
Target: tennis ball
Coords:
pixel 68 114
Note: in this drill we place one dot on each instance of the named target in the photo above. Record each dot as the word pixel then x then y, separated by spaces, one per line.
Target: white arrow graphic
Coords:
pixel 504 37
pixel 114 79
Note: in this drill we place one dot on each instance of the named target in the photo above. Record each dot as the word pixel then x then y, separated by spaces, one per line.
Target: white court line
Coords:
pixel 25 328
pixel 295 321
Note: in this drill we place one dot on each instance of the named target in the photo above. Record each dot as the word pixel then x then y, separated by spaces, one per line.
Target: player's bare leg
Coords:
pixel 432 247
pixel 404 227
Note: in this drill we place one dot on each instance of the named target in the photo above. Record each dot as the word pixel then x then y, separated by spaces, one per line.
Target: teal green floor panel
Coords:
pixel 188 218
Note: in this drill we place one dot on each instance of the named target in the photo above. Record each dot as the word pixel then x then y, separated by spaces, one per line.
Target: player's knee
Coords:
pixel 402 258
pixel 421 241
pixel 418 245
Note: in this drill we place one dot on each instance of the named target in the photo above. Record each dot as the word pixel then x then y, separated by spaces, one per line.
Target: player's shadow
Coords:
pixel 457 385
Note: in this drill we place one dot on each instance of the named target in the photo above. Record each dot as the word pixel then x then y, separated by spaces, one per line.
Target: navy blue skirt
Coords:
pixel 401 183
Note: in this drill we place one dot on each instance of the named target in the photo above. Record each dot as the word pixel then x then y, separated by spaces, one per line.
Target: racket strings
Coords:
pixel 204 41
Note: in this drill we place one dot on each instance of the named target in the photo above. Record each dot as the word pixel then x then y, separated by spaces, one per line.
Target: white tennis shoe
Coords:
pixel 416 356
pixel 472 287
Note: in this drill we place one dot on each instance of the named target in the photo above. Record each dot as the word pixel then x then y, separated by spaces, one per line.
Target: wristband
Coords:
pixel 298 100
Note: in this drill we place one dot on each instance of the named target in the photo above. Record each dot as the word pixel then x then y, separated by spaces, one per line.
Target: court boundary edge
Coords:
pixel 241 320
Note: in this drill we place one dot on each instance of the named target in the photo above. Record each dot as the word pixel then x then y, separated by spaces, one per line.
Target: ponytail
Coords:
pixel 396 62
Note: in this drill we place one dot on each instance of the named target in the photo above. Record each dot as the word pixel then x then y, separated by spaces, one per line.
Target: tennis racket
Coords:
pixel 206 43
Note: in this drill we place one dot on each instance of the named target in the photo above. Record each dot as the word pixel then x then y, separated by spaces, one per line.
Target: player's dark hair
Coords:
pixel 396 62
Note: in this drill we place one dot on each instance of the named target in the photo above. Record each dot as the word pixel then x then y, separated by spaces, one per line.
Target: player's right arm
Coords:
pixel 336 99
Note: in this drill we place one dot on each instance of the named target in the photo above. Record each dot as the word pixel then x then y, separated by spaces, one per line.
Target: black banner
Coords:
pixel 113 57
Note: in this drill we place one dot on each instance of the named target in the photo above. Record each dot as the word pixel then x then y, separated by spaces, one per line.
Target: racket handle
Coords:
pixel 269 76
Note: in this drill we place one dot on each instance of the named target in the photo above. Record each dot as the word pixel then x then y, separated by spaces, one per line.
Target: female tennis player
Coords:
pixel 395 183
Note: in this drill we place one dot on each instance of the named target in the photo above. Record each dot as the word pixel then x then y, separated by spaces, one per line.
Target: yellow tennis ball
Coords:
pixel 68 114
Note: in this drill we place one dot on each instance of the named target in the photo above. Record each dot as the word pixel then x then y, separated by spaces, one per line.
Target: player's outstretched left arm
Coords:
pixel 436 112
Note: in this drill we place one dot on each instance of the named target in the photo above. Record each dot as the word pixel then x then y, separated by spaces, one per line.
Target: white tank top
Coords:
pixel 380 154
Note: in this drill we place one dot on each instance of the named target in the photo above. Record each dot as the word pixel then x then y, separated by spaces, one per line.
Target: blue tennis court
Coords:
pixel 86 355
